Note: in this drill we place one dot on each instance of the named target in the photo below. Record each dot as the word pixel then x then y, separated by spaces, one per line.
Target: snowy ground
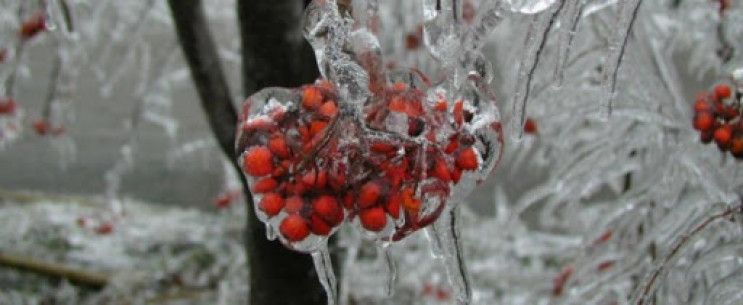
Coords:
pixel 165 255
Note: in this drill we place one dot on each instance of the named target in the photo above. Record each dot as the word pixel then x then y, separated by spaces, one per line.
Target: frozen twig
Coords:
pixel 652 278
pixel 86 278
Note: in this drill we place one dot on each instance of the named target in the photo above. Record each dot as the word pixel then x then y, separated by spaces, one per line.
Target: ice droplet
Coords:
pixel 324 269
pixel 536 36
pixel 617 45
pixel 447 232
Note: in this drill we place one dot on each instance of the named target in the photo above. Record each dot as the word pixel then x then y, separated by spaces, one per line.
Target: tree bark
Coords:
pixel 274 54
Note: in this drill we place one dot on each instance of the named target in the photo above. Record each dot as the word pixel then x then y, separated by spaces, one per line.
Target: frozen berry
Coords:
pixel 278 146
pixel 7 106
pixel 723 135
pixel 294 205
pixel 265 185
pixel 318 226
pixel 223 201
pixel 294 228
pixel 257 161
pixel 704 121
pixel 329 109
pixel 41 126
pixel 369 194
pixel 467 159
pixel 736 147
pixel 311 98
pixel 393 206
pixel 530 126
pixel 373 219
pixel 105 229
pixel 722 92
pixel 271 204
pixel 327 207
pixel 33 25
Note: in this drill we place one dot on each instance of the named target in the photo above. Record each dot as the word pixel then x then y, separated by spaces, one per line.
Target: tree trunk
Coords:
pixel 274 54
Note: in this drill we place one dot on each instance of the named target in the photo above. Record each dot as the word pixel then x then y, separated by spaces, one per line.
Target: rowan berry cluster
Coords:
pixel 310 167
pixel 717 117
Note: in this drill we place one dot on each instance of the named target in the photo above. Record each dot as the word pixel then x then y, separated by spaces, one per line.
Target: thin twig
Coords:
pixel 678 246
pixel 86 278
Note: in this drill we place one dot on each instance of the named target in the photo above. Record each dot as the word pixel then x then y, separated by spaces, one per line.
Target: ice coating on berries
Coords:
pixel 717 117
pixel 393 173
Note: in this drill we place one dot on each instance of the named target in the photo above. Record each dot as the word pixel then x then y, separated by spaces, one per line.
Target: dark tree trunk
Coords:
pixel 274 54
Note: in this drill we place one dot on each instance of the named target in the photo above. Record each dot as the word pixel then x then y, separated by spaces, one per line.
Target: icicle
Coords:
pixel 572 11
pixel 447 232
pixel 618 44
pixel 485 24
pixel 434 242
pixel 385 256
pixel 324 269
pixel 270 232
pixel 536 37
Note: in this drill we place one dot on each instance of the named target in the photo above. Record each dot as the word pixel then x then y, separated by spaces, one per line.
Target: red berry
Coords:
pixel 467 159
pixel 317 127
pixel 702 105
pixel 104 229
pixel 459 112
pixel 368 194
pixel 327 207
pixel 294 228
pixel 265 185
pixel 412 41
pixel 271 204
pixel 441 171
pixel 530 126
pixel 393 205
pixel 317 180
pixel 223 201
pixel 41 126
pixel 329 109
pixel 736 147
pixel 382 147
pixel 704 121
pixel 722 92
pixel 318 226
pixel 7 106
pixel 278 146
pixel 294 205
pixel 33 25
pixel 311 98
pixel 723 135
pixel 409 202
pixel 258 161
pixel 373 219
pixel 706 136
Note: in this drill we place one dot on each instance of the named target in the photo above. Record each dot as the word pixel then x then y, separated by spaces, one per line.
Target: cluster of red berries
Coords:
pixel 310 168
pixel 718 118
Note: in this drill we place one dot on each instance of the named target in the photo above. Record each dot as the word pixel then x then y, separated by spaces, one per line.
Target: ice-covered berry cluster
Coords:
pixel 717 117
pixel 311 165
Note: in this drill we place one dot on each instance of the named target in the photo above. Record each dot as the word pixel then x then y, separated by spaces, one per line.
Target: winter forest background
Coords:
pixel 613 128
